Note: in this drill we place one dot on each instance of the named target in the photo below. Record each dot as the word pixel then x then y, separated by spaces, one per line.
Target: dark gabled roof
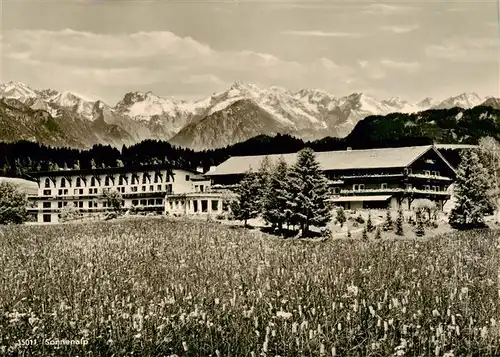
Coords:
pixel 334 160
pixel 110 170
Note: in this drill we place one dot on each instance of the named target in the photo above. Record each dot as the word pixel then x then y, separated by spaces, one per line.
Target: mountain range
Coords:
pixel 243 111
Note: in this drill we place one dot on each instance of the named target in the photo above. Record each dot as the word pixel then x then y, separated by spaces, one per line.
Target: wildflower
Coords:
pixel 284 315
pixel 352 290
pixel 372 310
pixel 322 351
pixel 265 346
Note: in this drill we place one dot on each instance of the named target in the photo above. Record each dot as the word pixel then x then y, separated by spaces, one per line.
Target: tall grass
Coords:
pixel 159 287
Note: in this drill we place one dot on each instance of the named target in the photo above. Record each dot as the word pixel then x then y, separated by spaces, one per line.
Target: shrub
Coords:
pixel 341 218
pixel 69 213
pixel 360 219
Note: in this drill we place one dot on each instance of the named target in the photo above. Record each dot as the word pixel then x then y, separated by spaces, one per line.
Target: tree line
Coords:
pixel 20 158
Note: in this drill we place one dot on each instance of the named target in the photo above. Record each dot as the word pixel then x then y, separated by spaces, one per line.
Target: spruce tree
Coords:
pixel 341 218
pixel 308 191
pixel 275 208
pixel 248 203
pixel 369 224
pixel 471 191
pixel 420 232
pixel 399 223
pixel 365 233
pixel 264 177
pixel 388 224
pixel 378 234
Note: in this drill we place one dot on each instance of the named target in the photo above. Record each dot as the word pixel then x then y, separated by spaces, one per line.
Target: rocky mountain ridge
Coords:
pixel 237 114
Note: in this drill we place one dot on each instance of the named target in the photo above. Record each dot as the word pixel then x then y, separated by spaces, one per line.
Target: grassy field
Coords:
pixel 159 287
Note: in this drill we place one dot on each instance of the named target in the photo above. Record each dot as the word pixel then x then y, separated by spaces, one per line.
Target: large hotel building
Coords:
pixel 373 178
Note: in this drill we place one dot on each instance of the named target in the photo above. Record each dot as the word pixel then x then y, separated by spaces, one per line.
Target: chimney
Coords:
pixel 199 169
pixel 349 148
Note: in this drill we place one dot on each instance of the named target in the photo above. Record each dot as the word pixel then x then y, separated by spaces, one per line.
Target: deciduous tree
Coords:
pixel 13 203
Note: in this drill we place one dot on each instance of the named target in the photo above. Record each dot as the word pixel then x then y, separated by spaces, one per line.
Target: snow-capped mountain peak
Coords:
pixel 464 100
pixel 17 90
pixel 306 113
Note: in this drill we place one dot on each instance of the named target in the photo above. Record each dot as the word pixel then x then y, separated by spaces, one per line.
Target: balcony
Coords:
pixel 206 194
pixel 372 176
pixel 407 191
pixel 430 177
pixel 335 182
pixel 144 194
pixel 372 190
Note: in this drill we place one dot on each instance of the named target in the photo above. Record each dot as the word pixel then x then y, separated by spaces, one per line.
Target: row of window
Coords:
pixel 94 191
pixel 150 202
pixel 80 204
pixel 201 206
pixel 409 171
pixel 110 181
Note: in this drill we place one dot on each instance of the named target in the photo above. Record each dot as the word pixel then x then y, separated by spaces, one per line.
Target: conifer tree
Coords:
pixel 420 232
pixel 378 234
pixel 275 210
pixel 365 233
pixel 369 224
pixel 248 203
pixel 399 223
pixel 471 191
pixel 388 224
pixel 308 191
pixel 18 168
pixel 264 177
pixel 341 218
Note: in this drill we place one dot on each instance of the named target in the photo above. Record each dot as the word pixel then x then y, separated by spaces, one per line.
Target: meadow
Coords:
pixel 160 287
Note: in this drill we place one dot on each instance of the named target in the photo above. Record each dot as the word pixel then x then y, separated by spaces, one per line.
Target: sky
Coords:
pixel 192 49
